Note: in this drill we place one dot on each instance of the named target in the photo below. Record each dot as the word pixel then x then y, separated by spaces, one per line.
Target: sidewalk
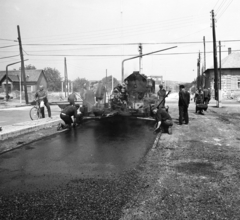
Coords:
pixel 14 130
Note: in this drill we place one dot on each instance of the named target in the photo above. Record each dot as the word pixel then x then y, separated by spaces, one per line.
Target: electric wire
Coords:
pixel 9 46
pixel 9 57
pixel 8 40
pixel 220 15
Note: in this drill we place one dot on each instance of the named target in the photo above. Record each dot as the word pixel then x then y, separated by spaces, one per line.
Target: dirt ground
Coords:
pixel 194 173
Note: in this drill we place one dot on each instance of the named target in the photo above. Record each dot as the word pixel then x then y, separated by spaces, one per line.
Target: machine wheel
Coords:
pixel 34 113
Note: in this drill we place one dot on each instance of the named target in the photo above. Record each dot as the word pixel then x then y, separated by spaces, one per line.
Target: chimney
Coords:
pixel 229 50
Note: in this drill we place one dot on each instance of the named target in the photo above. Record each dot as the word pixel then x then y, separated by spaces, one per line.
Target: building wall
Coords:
pixel 230 82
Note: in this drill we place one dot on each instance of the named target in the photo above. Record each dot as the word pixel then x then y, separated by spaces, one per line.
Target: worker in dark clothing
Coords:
pixel 72 98
pixel 41 96
pixel 164 120
pixel 206 96
pixel 66 115
pixel 183 103
pixel 161 96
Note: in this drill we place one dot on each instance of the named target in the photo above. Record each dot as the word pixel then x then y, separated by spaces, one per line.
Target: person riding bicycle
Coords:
pixel 41 95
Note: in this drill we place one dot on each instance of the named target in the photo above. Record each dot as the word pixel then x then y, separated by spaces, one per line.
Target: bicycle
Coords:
pixel 35 111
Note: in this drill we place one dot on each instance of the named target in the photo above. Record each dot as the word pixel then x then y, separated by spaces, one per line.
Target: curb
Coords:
pixel 15 130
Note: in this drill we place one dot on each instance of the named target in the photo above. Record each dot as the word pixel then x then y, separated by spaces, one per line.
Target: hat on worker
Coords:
pixel 182 86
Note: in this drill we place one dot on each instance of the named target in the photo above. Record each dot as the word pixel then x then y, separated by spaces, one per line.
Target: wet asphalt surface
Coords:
pixel 90 172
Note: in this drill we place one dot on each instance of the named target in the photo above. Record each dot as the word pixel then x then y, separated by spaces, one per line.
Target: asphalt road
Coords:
pixel 94 165
pixel 9 116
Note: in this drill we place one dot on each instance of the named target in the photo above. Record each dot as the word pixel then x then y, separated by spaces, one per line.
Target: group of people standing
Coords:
pixel 164 120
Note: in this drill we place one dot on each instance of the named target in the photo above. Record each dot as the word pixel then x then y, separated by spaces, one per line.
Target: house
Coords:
pixel 34 78
pixel 230 76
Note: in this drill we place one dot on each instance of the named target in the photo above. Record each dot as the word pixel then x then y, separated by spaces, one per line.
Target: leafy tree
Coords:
pixel 53 79
pixel 107 81
pixel 78 85
pixel 29 67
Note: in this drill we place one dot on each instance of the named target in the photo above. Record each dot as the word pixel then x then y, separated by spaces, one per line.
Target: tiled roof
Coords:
pixel 33 75
pixel 232 61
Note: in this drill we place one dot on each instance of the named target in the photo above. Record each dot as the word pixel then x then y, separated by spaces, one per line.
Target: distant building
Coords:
pixel 34 78
pixel 230 76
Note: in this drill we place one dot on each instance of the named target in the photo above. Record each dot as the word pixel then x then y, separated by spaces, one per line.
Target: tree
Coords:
pixel 108 83
pixel 53 78
pixel 29 67
pixel 78 85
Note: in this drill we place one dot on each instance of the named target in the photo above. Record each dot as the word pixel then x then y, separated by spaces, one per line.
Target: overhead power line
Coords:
pixel 9 46
pixel 221 13
pixel 116 55
pixel 119 44
pixel 9 40
pixel 9 57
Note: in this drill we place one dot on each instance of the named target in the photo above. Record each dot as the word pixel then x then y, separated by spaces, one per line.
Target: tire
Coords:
pixel 34 113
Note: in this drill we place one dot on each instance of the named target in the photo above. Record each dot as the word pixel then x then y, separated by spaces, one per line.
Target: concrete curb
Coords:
pixel 14 130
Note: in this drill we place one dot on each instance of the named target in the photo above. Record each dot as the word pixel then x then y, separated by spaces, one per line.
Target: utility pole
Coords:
pixel 204 62
pixel 140 58
pixel 215 60
pixel 66 77
pixel 22 65
pixel 105 101
pixel 198 71
pixel 220 76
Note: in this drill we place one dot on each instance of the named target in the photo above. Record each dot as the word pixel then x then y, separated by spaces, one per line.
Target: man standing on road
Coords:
pixel 161 96
pixel 164 120
pixel 183 103
pixel 41 95
pixel 72 98
pixel 206 96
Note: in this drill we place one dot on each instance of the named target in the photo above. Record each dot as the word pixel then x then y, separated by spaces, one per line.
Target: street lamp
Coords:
pixel 7 77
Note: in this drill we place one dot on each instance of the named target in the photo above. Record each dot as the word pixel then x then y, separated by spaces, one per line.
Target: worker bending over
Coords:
pixel 66 115
pixel 164 120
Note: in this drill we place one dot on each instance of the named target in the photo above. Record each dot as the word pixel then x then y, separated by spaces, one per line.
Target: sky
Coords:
pixel 96 36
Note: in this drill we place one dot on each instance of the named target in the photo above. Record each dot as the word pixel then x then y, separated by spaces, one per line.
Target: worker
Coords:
pixel 183 103
pixel 89 100
pixel 66 115
pixel 100 93
pixel 72 98
pixel 41 96
pixel 161 96
pixel 163 119
pixel 206 96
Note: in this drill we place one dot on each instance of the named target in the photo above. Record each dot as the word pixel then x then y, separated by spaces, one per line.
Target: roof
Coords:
pixel 32 75
pixel 232 61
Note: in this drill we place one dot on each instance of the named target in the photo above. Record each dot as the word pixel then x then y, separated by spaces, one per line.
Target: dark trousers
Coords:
pixel 183 114
pixel 48 108
pixel 68 119
pixel 42 108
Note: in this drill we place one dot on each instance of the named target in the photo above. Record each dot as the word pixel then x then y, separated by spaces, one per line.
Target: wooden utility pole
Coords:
pixel 204 62
pixel 22 65
pixel 198 71
pixel 66 77
pixel 204 54
pixel 220 77
pixel 140 58
pixel 215 60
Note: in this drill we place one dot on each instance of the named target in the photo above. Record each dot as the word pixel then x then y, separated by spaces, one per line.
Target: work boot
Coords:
pixel 170 130
pixel 59 127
